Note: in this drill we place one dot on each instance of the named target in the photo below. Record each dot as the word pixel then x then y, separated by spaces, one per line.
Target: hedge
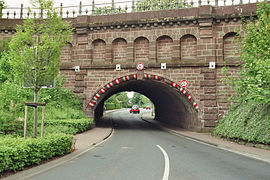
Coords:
pixel 112 106
pixel 52 129
pixel 80 125
pixel 248 121
pixel 17 153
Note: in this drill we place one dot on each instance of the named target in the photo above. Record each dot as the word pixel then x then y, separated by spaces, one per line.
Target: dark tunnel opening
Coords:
pixel 171 106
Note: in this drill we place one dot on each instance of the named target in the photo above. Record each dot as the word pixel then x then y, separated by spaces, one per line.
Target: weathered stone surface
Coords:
pixel 186 39
pixel 207 97
pixel 209 76
pixel 208 83
pixel 80 84
pixel 211 110
pixel 78 90
pixel 210 103
pixel 79 77
pixel 210 116
pixel 210 90
pixel 210 123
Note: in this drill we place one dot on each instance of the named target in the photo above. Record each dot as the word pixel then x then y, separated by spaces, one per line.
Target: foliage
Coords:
pixel 61 104
pixel 80 125
pixel 4 45
pixel 5 66
pixel 36 46
pixel 143 5
pixel 253 79
pixel 52 129
pixel 248 121
pixel 108 10
pixel 117 101
pixel 60 97
pixel 122 98
pixel 112 106
pixel 2 3
pixel 11 94
pixel 160 4
pixel 17 153
pixel 140 100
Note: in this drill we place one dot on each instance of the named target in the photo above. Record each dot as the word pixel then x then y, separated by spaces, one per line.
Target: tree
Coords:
pixel 122 98
pixel 36 47
pixel 253 81
pixel 140 99
pixel 2 3
pixel 5 67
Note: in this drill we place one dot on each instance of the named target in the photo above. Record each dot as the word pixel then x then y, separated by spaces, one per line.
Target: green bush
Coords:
pixel 17 153
pixel 63 113
pixel 80 125
pixel 112 106
pixel 52 129
pixel 248 121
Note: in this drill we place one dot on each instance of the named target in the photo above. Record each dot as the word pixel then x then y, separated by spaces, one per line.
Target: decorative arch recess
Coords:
pixel 141 49
pixel 98 50
pixel 119 49
pixel 188 46
pixel 230 47
pixel 164 48
pixel 101 92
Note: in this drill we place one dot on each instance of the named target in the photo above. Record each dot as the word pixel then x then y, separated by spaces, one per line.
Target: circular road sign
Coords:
pixel 183 83
pixel 140 66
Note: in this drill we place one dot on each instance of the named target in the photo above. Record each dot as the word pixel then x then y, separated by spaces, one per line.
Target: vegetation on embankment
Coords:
pixel 248 122
pixel 249 118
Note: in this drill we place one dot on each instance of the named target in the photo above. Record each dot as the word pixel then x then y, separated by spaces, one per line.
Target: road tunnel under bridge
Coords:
pixel 173 104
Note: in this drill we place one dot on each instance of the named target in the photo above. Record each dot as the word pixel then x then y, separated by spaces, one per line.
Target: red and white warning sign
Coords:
pixel 140 66
pixel 183 83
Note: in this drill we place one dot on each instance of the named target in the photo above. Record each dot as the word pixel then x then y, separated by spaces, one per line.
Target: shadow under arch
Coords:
pixel 173 104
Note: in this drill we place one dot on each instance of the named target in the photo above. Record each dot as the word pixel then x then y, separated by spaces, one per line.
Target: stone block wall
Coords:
pixel 186 39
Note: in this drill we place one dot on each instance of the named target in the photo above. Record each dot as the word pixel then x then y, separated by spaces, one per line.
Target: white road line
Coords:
pixel 167 164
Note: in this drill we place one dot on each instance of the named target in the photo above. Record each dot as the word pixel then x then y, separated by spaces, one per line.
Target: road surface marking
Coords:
pixel 167 163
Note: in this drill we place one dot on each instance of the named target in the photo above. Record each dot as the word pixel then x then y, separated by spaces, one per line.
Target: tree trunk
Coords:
pixel 35 114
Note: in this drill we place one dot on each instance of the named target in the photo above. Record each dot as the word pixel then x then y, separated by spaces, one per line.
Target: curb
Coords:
pixel 256 157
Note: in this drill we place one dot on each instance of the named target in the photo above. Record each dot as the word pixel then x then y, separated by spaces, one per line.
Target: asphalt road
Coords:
pixel 138 150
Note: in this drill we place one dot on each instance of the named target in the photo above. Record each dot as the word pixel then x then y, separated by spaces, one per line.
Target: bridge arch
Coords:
pixel 173 104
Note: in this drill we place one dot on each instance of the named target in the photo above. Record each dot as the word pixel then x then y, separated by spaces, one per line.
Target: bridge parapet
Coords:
pixel 117 7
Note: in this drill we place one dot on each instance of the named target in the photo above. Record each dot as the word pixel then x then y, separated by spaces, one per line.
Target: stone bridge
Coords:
pixel 187 40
